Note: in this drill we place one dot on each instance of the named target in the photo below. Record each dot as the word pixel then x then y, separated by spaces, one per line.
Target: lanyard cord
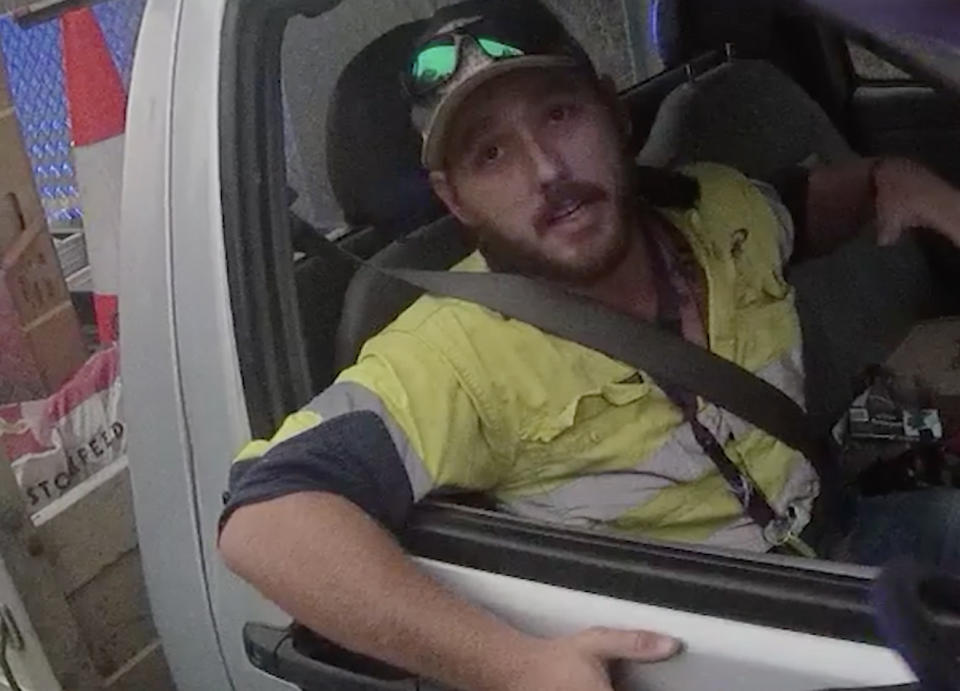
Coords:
pixel 670 317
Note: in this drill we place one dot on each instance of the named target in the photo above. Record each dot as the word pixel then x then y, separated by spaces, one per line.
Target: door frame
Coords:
pixel 829 599
pixel 823 599
pixel 170 213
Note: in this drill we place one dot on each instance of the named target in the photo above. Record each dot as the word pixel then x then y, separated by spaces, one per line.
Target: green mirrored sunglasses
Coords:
pixel 438 61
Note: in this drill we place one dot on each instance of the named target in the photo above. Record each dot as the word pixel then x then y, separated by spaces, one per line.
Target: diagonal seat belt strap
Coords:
pixel 664 356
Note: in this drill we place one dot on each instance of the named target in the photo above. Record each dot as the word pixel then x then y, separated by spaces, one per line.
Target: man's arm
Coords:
pixel 335 570
pixel 309 519
pixel 839 203
pixel 834 203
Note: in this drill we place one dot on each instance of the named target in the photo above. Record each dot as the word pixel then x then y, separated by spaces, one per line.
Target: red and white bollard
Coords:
pixel 97 103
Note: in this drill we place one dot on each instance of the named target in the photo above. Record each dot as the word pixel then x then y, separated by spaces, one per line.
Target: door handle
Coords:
pixel 313 664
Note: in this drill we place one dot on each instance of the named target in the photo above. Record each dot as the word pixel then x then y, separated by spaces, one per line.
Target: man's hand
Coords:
pixel 374 600
pixel 581 662
pixel 911 196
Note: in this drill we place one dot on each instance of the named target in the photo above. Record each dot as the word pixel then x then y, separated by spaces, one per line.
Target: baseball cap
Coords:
pixel 467 45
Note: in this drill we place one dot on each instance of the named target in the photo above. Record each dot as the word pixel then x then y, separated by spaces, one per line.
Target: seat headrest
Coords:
pixel 746 114
pixel 373 151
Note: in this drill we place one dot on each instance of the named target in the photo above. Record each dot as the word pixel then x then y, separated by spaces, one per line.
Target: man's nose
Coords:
pixel 545 161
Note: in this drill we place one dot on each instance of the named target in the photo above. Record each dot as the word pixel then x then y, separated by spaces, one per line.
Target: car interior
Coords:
pixel 730 93
pixel 759 87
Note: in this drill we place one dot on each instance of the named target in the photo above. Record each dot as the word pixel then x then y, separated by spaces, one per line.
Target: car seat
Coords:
pixel 372 301
pixel 373 150
pixel 856 304
pixel 373 166
pixel 746 114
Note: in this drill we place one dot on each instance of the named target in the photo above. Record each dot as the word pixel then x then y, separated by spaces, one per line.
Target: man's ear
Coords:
pixel 448 195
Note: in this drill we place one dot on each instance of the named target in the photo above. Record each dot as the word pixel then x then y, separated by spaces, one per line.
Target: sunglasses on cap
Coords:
pixel 438 61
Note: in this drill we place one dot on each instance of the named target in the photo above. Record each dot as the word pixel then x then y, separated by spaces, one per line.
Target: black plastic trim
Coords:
pixel 735 588
pixel 259 252
pixel 274 651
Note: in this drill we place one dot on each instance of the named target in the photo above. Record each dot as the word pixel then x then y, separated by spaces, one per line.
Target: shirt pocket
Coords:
pixel 758 278
pixel 573 417
pixel 766 319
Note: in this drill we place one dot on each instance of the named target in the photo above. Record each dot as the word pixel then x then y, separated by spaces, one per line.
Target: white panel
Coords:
pixel 719 654
pixel 159 447
pixel 209 376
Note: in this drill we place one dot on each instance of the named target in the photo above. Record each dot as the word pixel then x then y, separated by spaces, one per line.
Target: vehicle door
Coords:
pixel 542 578
pixel 213 329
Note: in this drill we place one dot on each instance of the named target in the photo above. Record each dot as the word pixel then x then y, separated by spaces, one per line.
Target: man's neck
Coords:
pixel 630 287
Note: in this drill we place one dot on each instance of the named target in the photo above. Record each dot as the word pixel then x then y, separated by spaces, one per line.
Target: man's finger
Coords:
pixel 615 644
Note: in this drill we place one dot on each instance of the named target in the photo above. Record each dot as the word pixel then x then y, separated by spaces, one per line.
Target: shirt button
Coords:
pixel 594 438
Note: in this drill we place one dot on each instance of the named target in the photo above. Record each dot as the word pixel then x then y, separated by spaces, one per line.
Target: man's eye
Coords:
pixel 490 154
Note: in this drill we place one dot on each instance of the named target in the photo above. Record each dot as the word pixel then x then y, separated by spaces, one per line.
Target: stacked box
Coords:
pixel 41 345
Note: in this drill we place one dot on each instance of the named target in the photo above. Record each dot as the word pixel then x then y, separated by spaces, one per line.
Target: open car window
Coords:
pixel 280 103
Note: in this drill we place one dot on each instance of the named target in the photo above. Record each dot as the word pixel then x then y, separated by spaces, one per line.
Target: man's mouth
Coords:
pixel 567 210
pixel 566 207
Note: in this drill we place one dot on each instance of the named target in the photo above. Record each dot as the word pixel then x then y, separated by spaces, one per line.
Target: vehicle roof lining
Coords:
pixel 924 56
pixel 927 57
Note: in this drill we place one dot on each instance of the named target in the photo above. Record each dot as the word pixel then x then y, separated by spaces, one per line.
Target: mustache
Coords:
pixel 560 195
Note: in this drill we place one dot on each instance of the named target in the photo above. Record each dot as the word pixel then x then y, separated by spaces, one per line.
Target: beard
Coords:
pixel 505 254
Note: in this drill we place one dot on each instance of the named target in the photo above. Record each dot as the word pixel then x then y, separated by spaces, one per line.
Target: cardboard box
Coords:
pixel 5 100
pixel 42 345
pixel 18 196
pixel 42 342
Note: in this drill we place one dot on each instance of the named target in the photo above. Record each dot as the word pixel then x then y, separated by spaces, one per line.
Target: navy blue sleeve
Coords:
pixel 351 455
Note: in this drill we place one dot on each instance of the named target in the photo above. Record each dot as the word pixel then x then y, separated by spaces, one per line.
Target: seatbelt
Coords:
pixel 668 358
pixel 674 362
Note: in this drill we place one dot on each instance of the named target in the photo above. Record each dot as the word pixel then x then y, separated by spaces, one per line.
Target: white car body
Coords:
pixel 187 418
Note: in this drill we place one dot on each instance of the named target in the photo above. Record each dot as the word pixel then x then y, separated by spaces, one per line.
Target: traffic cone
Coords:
pixel 97 103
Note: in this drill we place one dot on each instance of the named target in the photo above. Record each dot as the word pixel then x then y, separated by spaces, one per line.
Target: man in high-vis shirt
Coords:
pixel 527 146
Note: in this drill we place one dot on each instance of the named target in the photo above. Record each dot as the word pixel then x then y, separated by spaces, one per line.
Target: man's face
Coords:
pixel 536 166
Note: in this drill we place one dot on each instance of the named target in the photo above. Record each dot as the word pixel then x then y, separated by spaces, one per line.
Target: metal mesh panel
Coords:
pixel 35 68
pixel 36 84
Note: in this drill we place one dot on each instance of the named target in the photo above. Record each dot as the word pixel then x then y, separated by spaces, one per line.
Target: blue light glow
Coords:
pixel 654 24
